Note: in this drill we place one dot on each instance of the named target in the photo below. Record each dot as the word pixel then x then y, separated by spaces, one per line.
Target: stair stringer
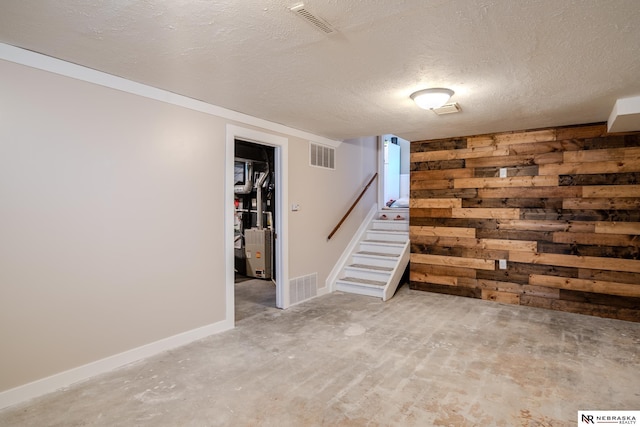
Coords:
pixel 397 273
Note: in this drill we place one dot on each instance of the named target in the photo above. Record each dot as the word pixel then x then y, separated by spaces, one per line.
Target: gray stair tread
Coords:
pixel 371 267
pixel 378 254
pixel 385 230
pixel 363 281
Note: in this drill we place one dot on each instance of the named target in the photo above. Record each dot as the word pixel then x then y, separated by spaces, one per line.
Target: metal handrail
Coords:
pixel 352 206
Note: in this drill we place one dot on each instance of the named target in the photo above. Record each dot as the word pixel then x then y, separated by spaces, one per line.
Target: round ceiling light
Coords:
pixel 431 98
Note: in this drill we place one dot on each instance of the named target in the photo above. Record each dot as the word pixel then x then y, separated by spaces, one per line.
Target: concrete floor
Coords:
pixel 419 359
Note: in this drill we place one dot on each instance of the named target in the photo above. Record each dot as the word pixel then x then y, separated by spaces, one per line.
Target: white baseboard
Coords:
pixel 64 379
pixel 330 284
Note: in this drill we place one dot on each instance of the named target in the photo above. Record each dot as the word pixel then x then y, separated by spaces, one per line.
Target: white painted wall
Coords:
pixel 112 224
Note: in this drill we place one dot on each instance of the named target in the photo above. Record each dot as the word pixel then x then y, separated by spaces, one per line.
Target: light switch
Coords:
pixel 502 264
pixel 503 172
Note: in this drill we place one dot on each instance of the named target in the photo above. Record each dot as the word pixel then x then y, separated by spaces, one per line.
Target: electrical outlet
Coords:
pixel 503 172
pixel 502 264
pixel 295 207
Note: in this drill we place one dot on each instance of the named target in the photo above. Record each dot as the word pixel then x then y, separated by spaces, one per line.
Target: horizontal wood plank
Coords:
pixel 515 181
pixel 618 227
pixel 468 153
pixel 610 190
pixel 609 204
pixel 589 168
pixel 540 225
pixel 538 192
pixel 608 154
pixel 440 174
pixel 503 297
pixel 629 265
pixel 512 138
pixel 435 203
pixel 596 239
pixel 417 276
pixel 489 213
pixel 584 285
pixel 480 264
pixel 415 231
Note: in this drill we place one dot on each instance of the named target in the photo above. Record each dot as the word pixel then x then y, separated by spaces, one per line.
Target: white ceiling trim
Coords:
pixel 75 71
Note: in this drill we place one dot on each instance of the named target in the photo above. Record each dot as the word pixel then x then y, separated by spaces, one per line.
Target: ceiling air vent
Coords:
pixel 312 19
pixel 322 156
pixel 447 109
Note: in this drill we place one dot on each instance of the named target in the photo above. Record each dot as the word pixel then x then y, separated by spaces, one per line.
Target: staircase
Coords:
pixel 376 264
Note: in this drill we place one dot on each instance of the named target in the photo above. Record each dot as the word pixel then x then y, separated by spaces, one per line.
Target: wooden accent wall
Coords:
pixel 566 218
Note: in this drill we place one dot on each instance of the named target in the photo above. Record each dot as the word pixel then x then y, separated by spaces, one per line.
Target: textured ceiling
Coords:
pixel 513 64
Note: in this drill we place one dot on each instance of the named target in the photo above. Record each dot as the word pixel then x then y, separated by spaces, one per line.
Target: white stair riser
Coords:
pixel 399 237
pixel 374 260
pixel 391 224
pixel 361 290
pixel 390 248
pixel 381 276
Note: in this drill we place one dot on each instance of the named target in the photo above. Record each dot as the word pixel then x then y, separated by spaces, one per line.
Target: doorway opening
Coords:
pixel 254 228
pixel 395 165
pixel 280 223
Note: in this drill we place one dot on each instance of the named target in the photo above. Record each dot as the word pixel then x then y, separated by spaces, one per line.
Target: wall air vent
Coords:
pixel 447 109
pixel 303 288
pixel 322 156
pixel 312 19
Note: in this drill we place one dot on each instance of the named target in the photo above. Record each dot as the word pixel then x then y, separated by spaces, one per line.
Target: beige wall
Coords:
pixel 324 197
pixel 112 220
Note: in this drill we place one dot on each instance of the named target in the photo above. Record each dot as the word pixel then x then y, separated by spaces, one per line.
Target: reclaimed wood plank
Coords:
pixel 596 239
pixel 512 138
pixel 618 227
pixel 524 203
pixel 607 154
pixel 489 213
pixel 415 231
pixel 609 190
pixel 516 160
pixel 438 145
pixel 585 285
pixel 425 184
pixel 537 225
pixel 608 276
pixel 601 203
pixel 502 297
pixel 461 291
pixel 630 178
pixel 516 181
pixel 500 286
pixel 440 174
pixel 537 192
pixel 439 270
pixel 629 265
pixel 464 193
pixel 611 166
pixel 435 203
pixel 417 276
pixel 428 213
pixel 468 153
pixel 479 264
pixel 581 132
pixel 541 291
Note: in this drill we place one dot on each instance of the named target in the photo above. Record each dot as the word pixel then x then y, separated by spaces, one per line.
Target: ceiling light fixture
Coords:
pixel 431 98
